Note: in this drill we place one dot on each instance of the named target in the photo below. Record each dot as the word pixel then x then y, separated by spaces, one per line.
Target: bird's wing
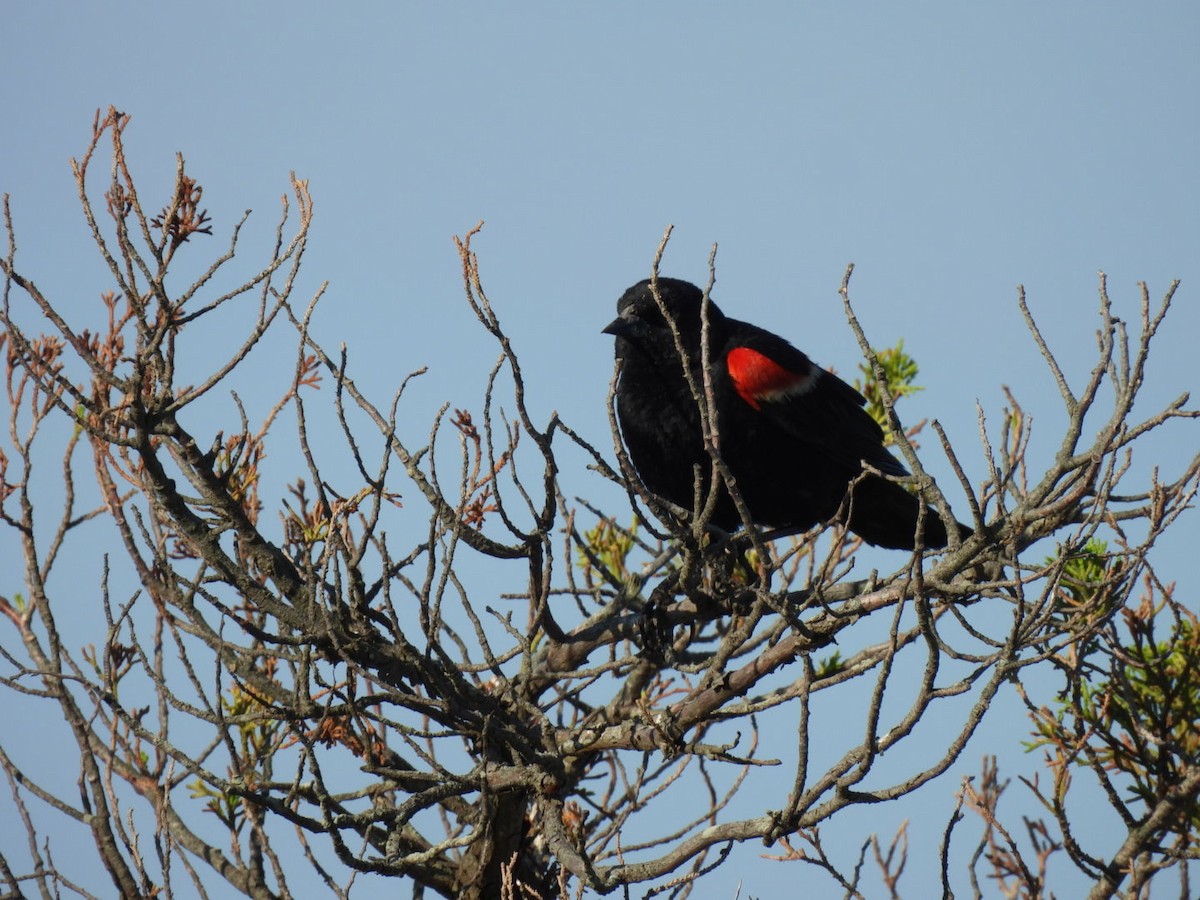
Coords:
pixel 813 405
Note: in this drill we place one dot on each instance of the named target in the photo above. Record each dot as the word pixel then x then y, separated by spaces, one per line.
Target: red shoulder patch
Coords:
pixel 757 377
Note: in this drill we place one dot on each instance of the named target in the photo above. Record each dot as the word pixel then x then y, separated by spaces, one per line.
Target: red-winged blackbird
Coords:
pixel 793 435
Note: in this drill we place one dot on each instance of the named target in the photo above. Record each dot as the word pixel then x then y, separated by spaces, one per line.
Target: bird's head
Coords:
pixel 640 320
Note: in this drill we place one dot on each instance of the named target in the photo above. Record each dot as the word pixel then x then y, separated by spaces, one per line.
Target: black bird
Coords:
pixel 793 435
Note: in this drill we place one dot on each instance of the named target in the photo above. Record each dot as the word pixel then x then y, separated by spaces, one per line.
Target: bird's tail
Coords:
pixel 885 514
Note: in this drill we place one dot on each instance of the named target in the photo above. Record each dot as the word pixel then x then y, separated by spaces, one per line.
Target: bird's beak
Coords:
pixel 620 327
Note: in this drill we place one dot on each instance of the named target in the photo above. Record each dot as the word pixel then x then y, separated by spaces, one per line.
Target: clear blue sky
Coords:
pixel 950 150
